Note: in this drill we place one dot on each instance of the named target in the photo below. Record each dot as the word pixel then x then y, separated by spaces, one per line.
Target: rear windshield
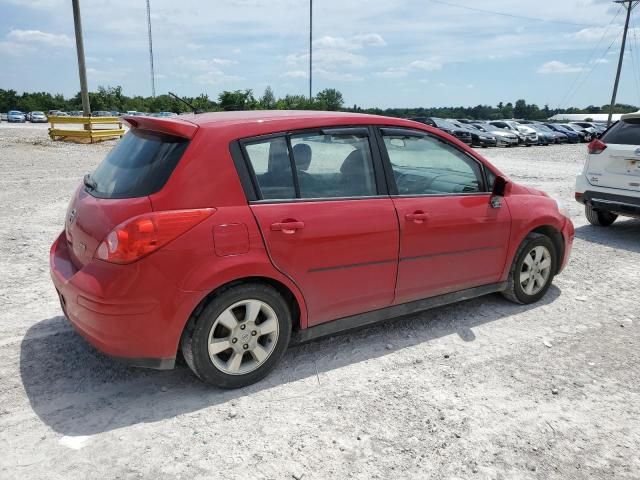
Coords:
pixel 139 165
pixel 625 132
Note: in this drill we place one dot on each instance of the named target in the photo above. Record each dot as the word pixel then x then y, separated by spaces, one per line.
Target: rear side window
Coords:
pixel 272 168
pixel 325 165
pixel 139 165
pixel 332 166
pixel 625 132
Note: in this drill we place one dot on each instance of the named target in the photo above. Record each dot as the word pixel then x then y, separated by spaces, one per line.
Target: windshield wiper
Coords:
pixel 89 182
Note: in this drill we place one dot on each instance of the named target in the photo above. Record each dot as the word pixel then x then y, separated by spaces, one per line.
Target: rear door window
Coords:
pixel 139 165
pixel 313 165
pixel 272 168
pixel 625 132
pixel 333 166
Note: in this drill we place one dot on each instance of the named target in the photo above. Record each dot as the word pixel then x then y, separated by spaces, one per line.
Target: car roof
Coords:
pixel 250 123
pixel 280 116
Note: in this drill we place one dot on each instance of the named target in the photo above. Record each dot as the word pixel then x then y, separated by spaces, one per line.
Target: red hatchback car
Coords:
pixel 229 236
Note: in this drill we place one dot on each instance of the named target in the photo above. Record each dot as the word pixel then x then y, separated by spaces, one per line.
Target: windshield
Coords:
pixel 139 165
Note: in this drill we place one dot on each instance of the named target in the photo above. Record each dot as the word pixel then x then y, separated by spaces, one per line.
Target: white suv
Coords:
pixel 609 184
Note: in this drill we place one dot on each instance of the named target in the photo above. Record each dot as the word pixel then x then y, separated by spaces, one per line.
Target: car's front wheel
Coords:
pixel 599 217
pixel 532 270
pixel 239 337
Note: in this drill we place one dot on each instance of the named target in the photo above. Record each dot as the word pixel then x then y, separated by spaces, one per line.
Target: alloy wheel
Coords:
pixel 243 337
pixel 536 270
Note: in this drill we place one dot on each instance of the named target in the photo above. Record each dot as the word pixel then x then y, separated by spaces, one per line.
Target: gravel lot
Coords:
pixel 481 389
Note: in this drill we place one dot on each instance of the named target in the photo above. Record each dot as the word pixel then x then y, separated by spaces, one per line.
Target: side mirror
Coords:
pixel 499 189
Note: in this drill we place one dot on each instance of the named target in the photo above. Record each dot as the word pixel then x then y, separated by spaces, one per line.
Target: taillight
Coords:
pixel 596 146
pixel 141 235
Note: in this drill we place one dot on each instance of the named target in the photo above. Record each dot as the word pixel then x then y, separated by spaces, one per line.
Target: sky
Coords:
pixel 378 53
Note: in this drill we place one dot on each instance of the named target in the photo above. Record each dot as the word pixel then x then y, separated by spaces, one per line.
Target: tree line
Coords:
pixel 112 99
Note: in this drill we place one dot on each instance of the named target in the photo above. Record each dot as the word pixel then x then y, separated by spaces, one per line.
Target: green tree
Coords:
pixel 520 110
pixel 268 99
pixel 330 99
pixel 237 100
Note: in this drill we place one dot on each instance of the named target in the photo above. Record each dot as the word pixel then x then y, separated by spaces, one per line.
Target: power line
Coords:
pixel 629 5
pixel 632 53
pixel 593 66
pixel 510 15
pixel 590 59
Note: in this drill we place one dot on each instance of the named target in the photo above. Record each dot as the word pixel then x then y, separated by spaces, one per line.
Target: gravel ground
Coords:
pixel 483 389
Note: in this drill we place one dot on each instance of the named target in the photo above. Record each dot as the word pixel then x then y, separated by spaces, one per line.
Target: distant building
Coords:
pixel 581 117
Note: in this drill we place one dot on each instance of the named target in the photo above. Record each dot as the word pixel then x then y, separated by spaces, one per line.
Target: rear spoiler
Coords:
pixel 170 126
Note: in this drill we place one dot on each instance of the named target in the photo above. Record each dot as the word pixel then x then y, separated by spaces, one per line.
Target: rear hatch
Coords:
pixel 119 188
pixel 618 165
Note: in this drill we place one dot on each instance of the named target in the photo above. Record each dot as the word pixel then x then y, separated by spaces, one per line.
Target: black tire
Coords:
pixel 599 218
pixel 194 342
pixel 514 291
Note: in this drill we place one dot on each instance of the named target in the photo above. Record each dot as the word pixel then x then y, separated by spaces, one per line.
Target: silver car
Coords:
pixel 16 116
pixel 38 117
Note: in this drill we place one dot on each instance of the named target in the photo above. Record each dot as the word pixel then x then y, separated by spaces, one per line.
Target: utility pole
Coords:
pixel 82 69
pixel 310 49
pixel 629 5
pixel 153 77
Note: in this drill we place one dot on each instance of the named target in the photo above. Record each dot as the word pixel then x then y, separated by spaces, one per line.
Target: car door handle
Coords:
pixel 418 216
pixel 287 226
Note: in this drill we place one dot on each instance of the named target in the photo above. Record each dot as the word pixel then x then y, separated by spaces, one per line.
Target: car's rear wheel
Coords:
pixel 599 217
pixel 239 336
pixel 532 270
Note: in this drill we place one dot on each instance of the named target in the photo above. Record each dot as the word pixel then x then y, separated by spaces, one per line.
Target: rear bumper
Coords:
pixel 611 202
pixel 129 312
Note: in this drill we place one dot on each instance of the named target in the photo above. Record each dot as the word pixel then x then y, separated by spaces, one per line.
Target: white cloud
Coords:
pixel 355 42
pixel 600 61
pixel 15 49
pixel 215 77
pixel 37 36
pixel 428 65
pixel 392 73
pixel 296 74
pixel 202 64
pixel 556 66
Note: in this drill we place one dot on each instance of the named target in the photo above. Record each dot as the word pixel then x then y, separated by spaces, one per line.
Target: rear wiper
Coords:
pixel 89 182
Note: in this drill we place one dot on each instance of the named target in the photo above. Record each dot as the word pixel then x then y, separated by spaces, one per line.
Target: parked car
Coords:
pixel 16 116
pixel 462 134
pixel 585 136
pixel 3 117
pixel 572 136
pixel 592 131
pixel 38 117
pixel 76 113
pixel 231 235
pixel 526 135
pixel 478 138
pixel 101 113
pixel 549 135
pixel 592 127
pixel 609 184
pixel 164 114
pixel 502 136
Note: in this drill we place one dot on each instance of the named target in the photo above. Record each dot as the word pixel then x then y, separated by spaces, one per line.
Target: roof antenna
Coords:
pixel 193 109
